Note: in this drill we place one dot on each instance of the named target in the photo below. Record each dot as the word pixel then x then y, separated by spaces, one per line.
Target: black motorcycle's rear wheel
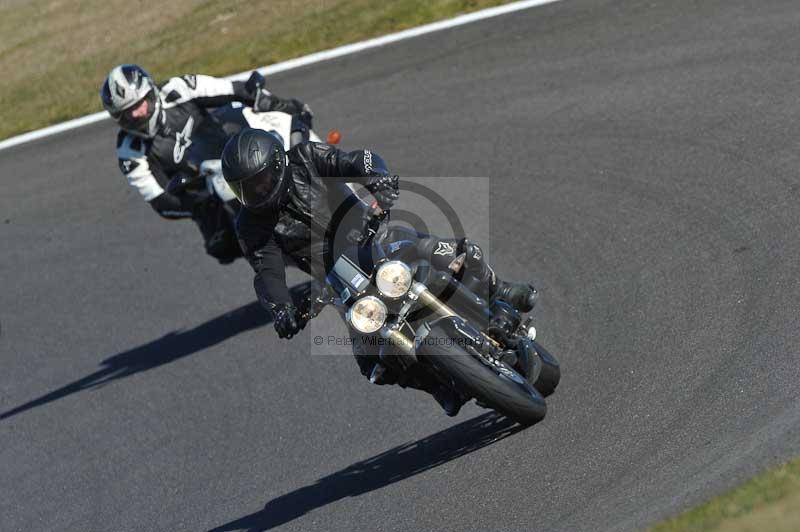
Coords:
pixel 501 389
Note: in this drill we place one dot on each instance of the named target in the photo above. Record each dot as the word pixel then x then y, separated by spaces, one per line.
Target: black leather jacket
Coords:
pixel 302 229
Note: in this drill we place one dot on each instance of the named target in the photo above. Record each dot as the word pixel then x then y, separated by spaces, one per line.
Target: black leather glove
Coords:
pixel 287 323
pixel 266 102
pixel 385 188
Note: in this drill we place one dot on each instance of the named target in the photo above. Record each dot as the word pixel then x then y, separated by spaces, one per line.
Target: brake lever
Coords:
pixel 374 220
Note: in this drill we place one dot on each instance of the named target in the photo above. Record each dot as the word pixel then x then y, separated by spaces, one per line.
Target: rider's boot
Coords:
pixel 219 238
pixel 521 296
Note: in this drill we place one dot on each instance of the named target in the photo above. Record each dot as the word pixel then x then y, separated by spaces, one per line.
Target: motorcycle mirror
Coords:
pixel 255 82
pixel 334 136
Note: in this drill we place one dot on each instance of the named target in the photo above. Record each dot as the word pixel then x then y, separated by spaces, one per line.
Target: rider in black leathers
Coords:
pixel 160 124
pixel 287 215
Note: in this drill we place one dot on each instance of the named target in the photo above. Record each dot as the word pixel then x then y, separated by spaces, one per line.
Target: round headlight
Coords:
pixel 367 315
pixel 393 279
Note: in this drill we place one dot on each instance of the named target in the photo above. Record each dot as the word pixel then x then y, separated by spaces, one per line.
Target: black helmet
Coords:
pixel 123 91
pixel 254 165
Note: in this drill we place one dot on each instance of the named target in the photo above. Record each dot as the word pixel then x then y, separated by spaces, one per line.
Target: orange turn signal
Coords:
pixel 334 136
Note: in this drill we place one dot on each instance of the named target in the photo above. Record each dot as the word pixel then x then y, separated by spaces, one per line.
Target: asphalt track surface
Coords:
pixel 643 159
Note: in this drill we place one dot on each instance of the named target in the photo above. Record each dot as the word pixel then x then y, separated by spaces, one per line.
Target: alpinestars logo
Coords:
pixel 368 161
pixel 191 80
pixel 477 253
pixel 183 139
pixel 445 249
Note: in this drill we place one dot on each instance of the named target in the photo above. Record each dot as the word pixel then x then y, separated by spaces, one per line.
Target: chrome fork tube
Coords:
pixel 428 300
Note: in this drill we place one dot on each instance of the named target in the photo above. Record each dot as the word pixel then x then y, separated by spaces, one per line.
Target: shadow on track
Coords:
pixel 166 349
pixel 396 464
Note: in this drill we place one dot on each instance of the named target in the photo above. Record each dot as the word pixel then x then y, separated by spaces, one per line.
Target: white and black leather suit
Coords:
pixel 188 135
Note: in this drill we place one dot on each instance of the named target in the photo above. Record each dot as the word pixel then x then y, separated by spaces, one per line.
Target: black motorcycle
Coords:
pixel 425 324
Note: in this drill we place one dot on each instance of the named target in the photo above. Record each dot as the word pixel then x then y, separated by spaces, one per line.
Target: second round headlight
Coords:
pixel 393 279
pixel 367 315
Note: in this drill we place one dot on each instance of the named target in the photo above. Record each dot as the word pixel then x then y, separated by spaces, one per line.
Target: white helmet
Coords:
pixel 126 88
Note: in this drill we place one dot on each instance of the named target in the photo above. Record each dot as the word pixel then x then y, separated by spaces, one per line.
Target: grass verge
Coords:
pixel 769 502
pixel 54 54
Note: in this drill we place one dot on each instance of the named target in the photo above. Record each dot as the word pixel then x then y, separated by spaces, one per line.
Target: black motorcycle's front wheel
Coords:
pixel 496 386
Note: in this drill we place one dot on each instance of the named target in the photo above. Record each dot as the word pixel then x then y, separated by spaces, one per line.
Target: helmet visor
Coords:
pixel 264 188
pixel 137 117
